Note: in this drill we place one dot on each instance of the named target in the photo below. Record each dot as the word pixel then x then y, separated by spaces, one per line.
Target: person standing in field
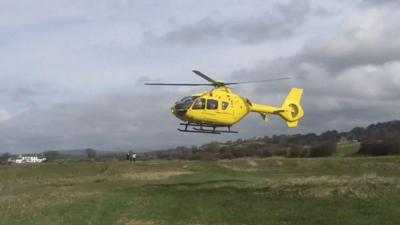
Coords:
pixel 134 157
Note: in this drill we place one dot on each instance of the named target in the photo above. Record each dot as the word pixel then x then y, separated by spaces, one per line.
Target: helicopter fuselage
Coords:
pixel 222 108
pixel 219 107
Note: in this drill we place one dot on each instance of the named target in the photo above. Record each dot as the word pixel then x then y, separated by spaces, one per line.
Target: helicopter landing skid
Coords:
pixel 205 129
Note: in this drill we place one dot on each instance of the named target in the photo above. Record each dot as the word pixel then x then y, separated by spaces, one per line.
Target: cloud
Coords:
pixel 4 115
pixel 373 3
pixel 279 22
pixel 22 95
pixel 352 49
pixel 92 60
pixel 18 94
pixel 351 78
pixel 119 121
pixel 366 38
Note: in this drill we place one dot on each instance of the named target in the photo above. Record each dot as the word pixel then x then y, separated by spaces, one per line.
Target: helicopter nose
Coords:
pixel 173 110
pixel 177 111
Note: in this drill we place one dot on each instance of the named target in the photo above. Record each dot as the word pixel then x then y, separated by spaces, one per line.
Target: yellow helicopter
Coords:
pixel 222 108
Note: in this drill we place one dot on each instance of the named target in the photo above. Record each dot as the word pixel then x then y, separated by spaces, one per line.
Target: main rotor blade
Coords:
pixel 259 81
pixel 172 84
pixel 202 75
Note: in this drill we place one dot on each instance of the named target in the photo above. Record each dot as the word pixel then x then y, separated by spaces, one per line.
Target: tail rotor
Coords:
pixel 292 111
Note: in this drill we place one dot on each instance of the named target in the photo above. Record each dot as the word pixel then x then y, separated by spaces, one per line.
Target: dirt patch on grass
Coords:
pixel 245 167
pixel 340 180
pixel 152 175
pixel 252 163
pixel 27 202
pixel 126 221
pixel 237 168
pixel 322 186
pixel 381 165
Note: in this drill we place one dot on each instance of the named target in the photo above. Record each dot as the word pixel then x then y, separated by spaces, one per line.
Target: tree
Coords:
pixel 212 147
pixel 388 146
pixel 326 148
pixel 51 155
pixel 356 133
pixel 226 153
pixel 4 158
pixel 329 136
pixel 91 153
pixel 297 151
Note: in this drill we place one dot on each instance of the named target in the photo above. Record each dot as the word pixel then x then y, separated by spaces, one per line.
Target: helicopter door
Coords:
pixel 211 109
pixel 226 107
pixel 225 112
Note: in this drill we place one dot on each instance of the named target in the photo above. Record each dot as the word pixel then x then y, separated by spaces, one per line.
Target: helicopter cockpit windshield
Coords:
pixel 184 104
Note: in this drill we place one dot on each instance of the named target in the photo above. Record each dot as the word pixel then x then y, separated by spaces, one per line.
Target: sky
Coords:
pixel 72 72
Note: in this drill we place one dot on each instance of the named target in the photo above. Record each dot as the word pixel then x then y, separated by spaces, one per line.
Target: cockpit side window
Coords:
pixel 185 99
pixel 199 103
pixel 225 105
pixel 212 104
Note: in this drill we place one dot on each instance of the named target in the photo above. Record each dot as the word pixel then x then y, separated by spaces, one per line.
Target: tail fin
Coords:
pixel 292 111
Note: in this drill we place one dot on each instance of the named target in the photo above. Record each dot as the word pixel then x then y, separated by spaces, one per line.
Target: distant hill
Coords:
pixel 75 152
pixel 82 152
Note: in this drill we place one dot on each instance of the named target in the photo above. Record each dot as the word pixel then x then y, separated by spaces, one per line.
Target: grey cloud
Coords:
pixel 380 3
pixel 22 94
pixel 350 79
pixel 359 42
pixel 280 22
pixel 329 103
pixel 375 43
pixel 120 121
pixel 338 55
pixel 18 94
pixel 323 12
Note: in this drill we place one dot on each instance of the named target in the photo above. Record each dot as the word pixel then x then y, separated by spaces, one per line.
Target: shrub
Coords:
pixel 296 151
pixel 4 158
pixel 51 156
pixel 323 149
pixel 389 146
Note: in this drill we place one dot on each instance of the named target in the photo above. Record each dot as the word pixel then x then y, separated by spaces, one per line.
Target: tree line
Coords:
pixel 375 140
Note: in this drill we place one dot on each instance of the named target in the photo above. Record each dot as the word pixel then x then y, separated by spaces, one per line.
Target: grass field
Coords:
pixel 329 191
pixel 347 150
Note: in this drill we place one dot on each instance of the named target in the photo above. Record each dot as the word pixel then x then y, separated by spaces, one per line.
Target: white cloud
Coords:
pixel 4 115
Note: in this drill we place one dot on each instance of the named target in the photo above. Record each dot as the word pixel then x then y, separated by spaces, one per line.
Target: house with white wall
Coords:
pixel 29 158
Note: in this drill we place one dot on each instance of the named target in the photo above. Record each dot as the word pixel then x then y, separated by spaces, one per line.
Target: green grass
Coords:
pixel 347 149
pixel 323 191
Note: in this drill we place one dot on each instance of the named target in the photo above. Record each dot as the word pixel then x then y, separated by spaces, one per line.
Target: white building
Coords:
pixel 29 159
